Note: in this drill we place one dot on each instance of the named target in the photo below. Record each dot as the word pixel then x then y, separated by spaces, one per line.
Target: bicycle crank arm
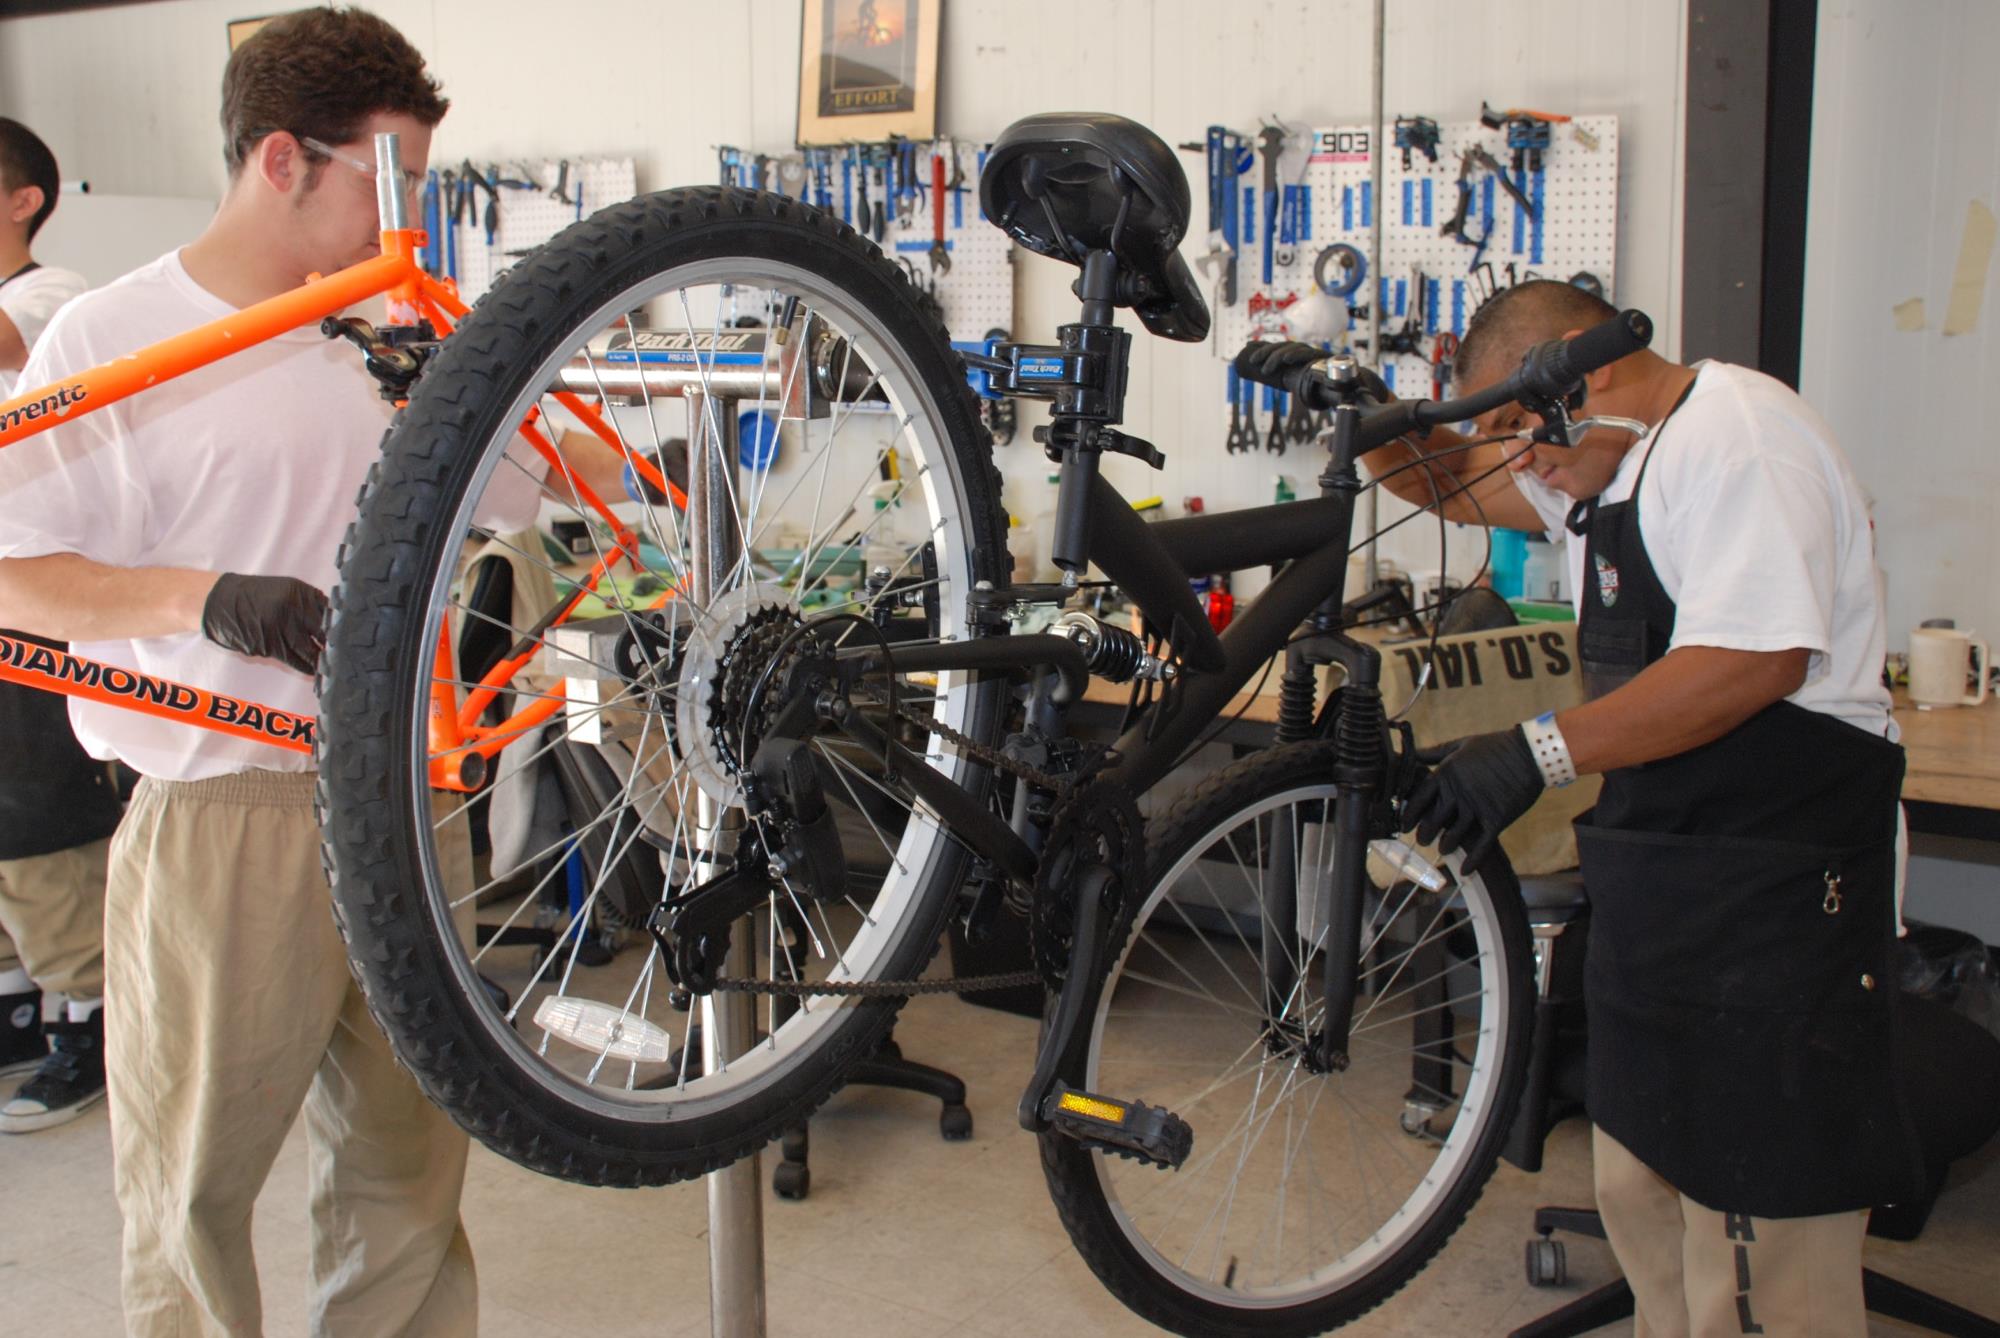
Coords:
pixel 1083 981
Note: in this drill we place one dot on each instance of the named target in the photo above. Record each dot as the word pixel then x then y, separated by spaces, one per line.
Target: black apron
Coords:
pixel 1742 898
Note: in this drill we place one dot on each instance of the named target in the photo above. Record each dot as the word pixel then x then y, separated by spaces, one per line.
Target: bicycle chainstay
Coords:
pixel 1063 787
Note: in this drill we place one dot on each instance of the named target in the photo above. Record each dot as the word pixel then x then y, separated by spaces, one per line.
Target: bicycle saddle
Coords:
pixel 1059 183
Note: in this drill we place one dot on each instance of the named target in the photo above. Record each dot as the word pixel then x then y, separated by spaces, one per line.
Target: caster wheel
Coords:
pixel 791 1180
pixel 1548 1264
pixel 955 1124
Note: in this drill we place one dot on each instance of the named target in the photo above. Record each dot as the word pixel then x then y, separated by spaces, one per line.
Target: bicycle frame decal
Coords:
pixel 46 406
pixel 37 666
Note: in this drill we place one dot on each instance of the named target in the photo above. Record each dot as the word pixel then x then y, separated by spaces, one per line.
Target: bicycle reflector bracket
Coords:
pixel 1150 1134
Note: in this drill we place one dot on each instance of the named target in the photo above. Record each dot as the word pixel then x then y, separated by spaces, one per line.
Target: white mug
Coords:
pixel 1940 659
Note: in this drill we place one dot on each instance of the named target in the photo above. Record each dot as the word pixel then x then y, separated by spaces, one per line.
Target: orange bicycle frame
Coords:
pixel 456 739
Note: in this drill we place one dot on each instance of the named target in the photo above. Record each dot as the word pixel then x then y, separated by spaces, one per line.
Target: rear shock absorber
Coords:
pixel 1110 651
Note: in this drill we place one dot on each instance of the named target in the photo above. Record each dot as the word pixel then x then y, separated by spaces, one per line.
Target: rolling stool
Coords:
pixel 791 1178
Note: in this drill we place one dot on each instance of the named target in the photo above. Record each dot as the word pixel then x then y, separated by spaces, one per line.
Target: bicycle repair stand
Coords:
pixel 735 1193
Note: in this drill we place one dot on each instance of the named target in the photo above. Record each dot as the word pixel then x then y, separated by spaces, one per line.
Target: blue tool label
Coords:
pixel 1041 369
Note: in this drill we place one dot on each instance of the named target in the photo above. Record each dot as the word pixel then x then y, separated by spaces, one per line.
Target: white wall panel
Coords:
pixel 1904 110
pixel 128 98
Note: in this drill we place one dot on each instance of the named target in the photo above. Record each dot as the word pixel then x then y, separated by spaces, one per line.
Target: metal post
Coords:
pixel 1371 568
pixel 728 1021
pixel 391 203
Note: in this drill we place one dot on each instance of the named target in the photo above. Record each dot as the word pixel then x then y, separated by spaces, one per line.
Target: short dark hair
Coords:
pixel 320 73
pixel 1525 314
pixel 26 161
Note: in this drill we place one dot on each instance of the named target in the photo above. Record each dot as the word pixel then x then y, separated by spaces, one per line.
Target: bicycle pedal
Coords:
pixel 1150 1134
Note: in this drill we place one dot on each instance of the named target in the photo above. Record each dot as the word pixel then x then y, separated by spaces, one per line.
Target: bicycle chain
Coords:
pixel 1062 785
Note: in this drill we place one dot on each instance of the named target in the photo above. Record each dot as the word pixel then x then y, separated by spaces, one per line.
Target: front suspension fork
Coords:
pixel 1360 734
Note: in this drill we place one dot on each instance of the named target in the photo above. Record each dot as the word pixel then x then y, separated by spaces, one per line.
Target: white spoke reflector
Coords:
pixel 604 1030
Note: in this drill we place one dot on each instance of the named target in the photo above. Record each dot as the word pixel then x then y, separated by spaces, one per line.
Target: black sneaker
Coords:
pixel 69 1082
pixel 22 1045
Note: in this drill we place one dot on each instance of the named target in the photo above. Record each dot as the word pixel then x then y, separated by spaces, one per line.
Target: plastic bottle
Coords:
pixel 1542 571
pixel 1510 556
pixel 885 545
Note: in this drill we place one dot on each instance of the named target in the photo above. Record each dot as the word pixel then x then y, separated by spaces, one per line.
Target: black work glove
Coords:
pixel 273 617
pixel 1478 791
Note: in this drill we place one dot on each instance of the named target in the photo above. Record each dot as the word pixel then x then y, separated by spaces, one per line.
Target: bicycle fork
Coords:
pixel 1311 899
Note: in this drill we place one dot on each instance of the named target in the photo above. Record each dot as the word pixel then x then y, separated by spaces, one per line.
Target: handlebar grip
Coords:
pixel 1552 370
pixel 1286 366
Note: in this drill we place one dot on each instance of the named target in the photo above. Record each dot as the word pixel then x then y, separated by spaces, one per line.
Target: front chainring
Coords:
pixel 1097 822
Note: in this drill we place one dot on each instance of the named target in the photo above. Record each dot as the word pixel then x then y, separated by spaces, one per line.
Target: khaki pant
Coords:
pixel 1696 1272
pixel 52 919
pixel 229 1007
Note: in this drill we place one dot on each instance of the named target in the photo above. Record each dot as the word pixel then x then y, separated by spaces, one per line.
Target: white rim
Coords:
pixel 923 841
pixel 1397 1229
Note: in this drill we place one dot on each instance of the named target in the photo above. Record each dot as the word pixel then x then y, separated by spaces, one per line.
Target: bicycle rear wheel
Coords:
pixel 634 718
pixel 1310 1196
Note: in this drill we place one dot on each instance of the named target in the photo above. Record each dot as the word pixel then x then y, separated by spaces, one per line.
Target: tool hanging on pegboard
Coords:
pixel 524 204
pixel 1467 208
pixel 919 201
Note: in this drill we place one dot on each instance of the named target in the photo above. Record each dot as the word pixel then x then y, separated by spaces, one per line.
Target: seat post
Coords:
pixel 1098 287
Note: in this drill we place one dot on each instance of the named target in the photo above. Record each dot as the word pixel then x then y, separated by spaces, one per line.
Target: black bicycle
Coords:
pixel 803 730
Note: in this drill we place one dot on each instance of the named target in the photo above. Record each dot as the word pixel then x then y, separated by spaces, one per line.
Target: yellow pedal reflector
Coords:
pixel 1077 1103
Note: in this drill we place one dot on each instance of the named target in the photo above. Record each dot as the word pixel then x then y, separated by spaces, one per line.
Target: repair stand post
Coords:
pixel 728 1021
pixel 1378 156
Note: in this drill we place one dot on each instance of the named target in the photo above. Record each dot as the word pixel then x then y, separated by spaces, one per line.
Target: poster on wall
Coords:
pixel 240 30
pixel 868 70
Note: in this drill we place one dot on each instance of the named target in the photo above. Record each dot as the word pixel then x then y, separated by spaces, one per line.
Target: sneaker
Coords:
pixel 22 1045
pixel 69 1082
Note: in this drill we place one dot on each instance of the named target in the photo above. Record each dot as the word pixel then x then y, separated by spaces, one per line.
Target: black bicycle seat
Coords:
pixel 1059 184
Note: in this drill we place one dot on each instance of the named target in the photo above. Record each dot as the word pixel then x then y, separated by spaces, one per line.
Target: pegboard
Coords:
pixel 529 217
pixel 977 293
pixel 1576 230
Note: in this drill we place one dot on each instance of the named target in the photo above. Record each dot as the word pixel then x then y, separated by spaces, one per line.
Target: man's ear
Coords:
pixel 279 160
pixel 23 203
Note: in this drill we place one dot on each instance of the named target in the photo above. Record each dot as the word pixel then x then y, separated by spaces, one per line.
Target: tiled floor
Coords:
pixel 903 1234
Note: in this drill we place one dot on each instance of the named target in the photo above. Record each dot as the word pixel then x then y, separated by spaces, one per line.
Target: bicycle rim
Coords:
pixel 1304 1186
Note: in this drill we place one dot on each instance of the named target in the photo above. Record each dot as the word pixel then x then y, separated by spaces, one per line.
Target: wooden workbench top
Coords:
pixel 1954 753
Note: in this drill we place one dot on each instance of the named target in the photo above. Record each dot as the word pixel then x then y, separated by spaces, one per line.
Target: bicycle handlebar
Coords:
pixel 1549 371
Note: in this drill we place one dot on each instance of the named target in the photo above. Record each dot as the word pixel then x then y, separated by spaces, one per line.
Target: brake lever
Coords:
pixel 1560 431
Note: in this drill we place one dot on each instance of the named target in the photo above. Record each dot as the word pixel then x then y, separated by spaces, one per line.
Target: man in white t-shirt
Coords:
pixel 190 532
pixel 1741 860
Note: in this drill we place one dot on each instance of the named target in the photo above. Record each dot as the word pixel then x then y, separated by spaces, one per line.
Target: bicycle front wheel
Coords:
pixel 814 451
pixel 1311 1196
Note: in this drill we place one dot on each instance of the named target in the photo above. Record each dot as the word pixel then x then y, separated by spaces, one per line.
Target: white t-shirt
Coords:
pixel 29 301
pixel 1756 526
pixel 250 464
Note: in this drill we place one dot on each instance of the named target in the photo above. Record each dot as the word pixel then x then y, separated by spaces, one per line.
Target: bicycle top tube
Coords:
pixel 394 272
